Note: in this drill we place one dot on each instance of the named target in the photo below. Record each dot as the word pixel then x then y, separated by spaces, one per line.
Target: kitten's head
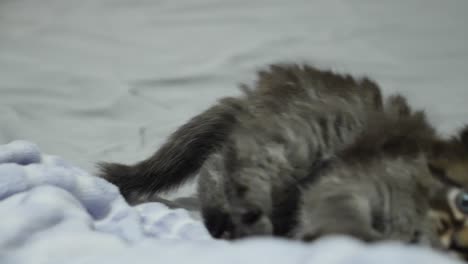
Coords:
pixel 449 162
pixel 450 212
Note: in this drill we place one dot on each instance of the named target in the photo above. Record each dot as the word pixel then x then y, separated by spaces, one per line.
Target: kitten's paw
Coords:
pixel 252 223
pixel 218 223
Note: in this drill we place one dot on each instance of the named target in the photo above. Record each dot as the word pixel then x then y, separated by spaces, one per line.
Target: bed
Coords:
pixel 109 80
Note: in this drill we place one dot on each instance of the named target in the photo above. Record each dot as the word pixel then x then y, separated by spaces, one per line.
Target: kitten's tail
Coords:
pixel 180 157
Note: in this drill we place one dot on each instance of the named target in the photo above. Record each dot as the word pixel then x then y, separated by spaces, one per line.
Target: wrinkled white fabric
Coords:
pixel 53 212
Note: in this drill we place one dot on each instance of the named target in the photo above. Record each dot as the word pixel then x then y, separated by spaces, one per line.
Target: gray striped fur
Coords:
pixel 259 158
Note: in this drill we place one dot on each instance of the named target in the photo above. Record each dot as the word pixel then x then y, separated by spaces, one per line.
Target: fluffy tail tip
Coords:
pixel 117 174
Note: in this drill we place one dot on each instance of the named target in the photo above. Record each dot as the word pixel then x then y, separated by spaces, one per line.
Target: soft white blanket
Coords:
pixel 53 212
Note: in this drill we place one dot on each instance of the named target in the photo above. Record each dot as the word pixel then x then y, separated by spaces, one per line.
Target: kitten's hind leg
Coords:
pixel 213 203
pixel 250 205
pixel 232 206
pixel 252 171
pixel 248 192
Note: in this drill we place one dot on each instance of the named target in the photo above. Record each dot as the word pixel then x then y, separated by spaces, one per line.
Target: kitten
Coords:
pixel 292 106
pixel 188 147
pixel 449 210
pixel 250 150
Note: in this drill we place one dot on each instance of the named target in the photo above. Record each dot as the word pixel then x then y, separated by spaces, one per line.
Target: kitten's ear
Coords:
pixel 464 136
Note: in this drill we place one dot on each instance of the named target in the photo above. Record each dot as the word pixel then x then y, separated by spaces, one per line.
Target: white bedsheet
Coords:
pixel 54 212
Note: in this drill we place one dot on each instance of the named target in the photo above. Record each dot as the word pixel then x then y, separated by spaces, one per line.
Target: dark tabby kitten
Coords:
pixel 251 150
pixel 300 112
pixel 450 213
